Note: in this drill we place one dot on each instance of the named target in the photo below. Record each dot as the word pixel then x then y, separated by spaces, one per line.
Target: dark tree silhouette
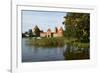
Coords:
pixel 37 31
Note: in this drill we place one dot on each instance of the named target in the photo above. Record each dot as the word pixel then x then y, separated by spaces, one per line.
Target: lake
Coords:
pixel 31 53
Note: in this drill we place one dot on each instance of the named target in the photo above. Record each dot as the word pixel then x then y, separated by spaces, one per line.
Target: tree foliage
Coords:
pixel 37 31
pixel 30 33
pixel 77 25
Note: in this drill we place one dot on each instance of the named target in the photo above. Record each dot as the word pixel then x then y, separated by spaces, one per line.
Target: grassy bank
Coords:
pixel 47 42
pixel 57 42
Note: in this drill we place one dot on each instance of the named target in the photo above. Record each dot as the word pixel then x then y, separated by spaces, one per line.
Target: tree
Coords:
pixel 30 33
pixel 77 25
pixel 25 34
pixel 37 31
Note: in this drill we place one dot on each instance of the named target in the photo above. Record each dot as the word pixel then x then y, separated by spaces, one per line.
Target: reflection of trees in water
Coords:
pixel 72 53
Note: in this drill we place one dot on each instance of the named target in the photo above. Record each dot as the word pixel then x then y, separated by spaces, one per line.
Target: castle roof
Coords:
pixel 49 29
pixel 60 28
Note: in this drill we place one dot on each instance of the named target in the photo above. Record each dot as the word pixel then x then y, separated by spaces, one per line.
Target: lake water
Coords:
pixel 38 54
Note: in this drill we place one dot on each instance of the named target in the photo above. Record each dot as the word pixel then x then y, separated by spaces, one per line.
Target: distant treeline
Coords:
pixel 30 33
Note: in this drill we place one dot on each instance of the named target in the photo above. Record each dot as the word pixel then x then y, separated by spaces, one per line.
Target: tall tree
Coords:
pixel 77 25
pixel 37 31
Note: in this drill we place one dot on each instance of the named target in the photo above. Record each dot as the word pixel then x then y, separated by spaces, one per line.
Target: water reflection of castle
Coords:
pixel 58 33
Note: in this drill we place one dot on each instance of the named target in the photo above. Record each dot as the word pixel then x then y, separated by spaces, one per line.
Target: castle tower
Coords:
pixel 60 31
pixel 56 29
pixel 49 33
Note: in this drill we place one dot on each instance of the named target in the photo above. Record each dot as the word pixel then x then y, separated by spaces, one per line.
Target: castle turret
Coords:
pixel 60 31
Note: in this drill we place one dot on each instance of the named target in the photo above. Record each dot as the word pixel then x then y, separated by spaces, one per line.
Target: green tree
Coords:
pixel 37 31
pixel 77 25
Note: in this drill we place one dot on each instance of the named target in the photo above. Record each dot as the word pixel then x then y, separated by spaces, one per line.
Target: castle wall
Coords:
pixel 59 33
pixel 43 34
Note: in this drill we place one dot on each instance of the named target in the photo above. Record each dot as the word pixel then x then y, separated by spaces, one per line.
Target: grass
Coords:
pixel 57 42
pixel 47 42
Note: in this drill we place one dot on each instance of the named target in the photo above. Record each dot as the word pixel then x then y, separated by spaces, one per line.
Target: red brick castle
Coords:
pixel 58 33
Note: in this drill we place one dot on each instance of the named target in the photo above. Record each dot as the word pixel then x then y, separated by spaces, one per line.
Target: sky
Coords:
pixel 42 19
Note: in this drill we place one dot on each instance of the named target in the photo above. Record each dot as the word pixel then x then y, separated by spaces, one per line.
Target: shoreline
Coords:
pixel 56 42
